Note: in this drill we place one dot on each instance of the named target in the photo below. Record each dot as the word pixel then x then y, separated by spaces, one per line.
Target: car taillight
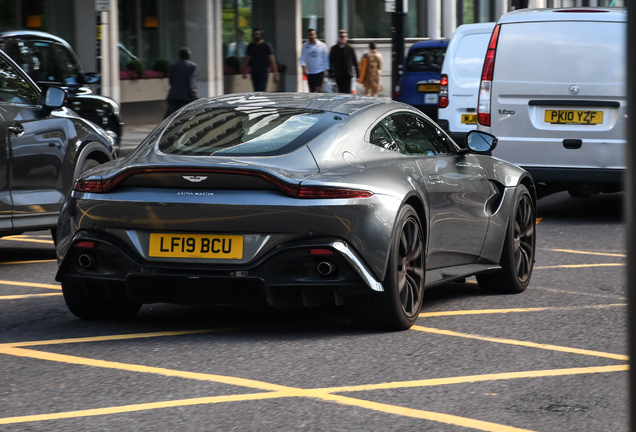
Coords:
pixel 397 92
pixel 483 106
pixel 443 91
pixel 294 191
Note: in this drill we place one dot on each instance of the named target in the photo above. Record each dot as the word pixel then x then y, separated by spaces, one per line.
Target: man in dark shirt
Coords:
pixel 343 62
pixel 259 56
pixel 182 82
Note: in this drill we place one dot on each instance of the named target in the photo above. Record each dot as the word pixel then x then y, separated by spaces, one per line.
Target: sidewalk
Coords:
pixel 133 136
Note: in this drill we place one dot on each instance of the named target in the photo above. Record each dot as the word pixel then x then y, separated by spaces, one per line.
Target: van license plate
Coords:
pixel 469 118
pixel 196 246
pixel 428 87
pixel 579 117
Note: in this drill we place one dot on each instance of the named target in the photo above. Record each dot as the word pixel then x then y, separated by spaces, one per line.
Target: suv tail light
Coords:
pixel 483 106
pixel 397 92
pixel 443 91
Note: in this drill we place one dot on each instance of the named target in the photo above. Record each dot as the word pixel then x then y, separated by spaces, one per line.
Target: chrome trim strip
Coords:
pixel 358 266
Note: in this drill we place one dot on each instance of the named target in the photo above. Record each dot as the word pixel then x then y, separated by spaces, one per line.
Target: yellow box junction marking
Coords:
pixel 279 391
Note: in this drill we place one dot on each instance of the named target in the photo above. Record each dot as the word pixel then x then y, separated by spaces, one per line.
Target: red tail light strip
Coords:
pixel 487 72
pixel 307 192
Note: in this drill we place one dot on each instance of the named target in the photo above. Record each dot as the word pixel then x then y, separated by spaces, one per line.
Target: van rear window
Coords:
pixel 425 59
pixel 577 52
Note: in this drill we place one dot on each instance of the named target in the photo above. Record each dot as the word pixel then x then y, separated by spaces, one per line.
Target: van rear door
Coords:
pixel 559 95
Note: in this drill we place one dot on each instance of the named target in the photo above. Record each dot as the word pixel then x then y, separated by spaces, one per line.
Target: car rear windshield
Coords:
pixel 425 59
pixel 246 131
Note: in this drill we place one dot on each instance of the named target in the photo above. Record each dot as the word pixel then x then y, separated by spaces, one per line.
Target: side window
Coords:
pixel 44 69
pixel 68 65
pixel 21 54
pixel 417 136
pixel 14 88
pixel 381 138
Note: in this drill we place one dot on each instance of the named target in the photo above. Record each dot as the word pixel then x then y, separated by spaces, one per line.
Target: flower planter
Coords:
pixel 142 90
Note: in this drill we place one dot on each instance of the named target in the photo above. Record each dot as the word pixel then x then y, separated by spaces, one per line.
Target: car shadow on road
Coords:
pixel 601 208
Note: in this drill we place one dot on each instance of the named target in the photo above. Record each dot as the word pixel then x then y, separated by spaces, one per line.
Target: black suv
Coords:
pixel 50 60
pixel 44 147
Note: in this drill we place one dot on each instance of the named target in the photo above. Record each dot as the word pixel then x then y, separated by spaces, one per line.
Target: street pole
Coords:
pixel 397 35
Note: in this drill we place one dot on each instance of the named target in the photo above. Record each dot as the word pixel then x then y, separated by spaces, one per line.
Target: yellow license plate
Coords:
pixel 579 117
pixel 428 87
pixel 196 246
pixel 469 118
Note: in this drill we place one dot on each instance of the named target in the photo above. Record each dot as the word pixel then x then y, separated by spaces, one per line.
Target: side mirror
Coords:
pixel 54 98
pixel 92 78
pixel 480 142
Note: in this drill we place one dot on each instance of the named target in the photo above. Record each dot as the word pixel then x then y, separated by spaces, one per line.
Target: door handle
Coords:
pixel 17 129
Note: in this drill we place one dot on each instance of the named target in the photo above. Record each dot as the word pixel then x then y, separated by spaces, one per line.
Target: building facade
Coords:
pixel 132 42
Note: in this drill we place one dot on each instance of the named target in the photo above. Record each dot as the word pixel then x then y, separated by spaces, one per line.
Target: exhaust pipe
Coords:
pixel 86 261
pixel 325 268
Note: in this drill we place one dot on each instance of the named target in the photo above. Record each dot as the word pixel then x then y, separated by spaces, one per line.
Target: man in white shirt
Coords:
pixel 315 61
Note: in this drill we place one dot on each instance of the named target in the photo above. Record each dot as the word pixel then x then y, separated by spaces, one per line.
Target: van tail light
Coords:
pixel 483 106
pixel 397 92
pixel 443 91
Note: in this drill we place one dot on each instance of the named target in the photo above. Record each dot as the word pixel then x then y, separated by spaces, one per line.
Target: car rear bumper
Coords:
pixel 576 175
pixel 311 273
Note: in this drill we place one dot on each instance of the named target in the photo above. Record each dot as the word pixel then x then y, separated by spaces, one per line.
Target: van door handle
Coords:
pixel 17 129
pixel 572 144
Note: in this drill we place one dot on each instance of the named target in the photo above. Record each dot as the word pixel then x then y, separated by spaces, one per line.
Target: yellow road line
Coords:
pixel 515 310
pixel 27 262
pixel 30 284
pixel 63 358
pixel 23 296
pixel 138 407
pixel 589 253
pixel 424 415
pixel 26 239
pixel 109 338
pixel 478 378
pixel 580 266
pixel 522 343
pixel 277 391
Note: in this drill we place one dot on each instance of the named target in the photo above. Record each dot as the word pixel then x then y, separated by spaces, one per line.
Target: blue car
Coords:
pixel 419 84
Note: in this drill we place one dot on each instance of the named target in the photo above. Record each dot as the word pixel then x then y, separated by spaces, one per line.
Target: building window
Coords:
pixel 150 34
pixel 237 32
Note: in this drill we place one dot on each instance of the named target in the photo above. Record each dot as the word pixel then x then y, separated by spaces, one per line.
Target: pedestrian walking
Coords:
pixel 343 63
pixel 314 60
pixel 182 82
pixel 371 71
pixel 259 56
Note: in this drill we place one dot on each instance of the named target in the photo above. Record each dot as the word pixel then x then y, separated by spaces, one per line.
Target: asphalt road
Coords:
pixel 550 359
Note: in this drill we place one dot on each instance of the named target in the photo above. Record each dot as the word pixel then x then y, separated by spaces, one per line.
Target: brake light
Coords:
pixel 397 92
pixel 294 191
pixel 443 91
pixel 483 106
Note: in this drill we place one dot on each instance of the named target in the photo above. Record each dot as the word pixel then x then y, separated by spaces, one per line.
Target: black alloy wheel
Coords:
pixel 398 307
pixel 517 257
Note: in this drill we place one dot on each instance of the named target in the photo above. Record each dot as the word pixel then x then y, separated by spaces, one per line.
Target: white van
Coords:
pixel 459 84
pixel 554 91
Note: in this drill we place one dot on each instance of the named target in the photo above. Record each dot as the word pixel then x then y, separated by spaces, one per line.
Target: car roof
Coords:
pixel 432 43
pixel 333 102
pixel 566 14
pixel 31 34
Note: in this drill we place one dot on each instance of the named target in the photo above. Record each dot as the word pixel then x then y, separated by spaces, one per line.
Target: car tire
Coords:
pixel 398 307
pixel 96 300
pixel 517 256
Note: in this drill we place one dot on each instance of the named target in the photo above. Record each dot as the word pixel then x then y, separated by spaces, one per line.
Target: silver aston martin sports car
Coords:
pixel 295 200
